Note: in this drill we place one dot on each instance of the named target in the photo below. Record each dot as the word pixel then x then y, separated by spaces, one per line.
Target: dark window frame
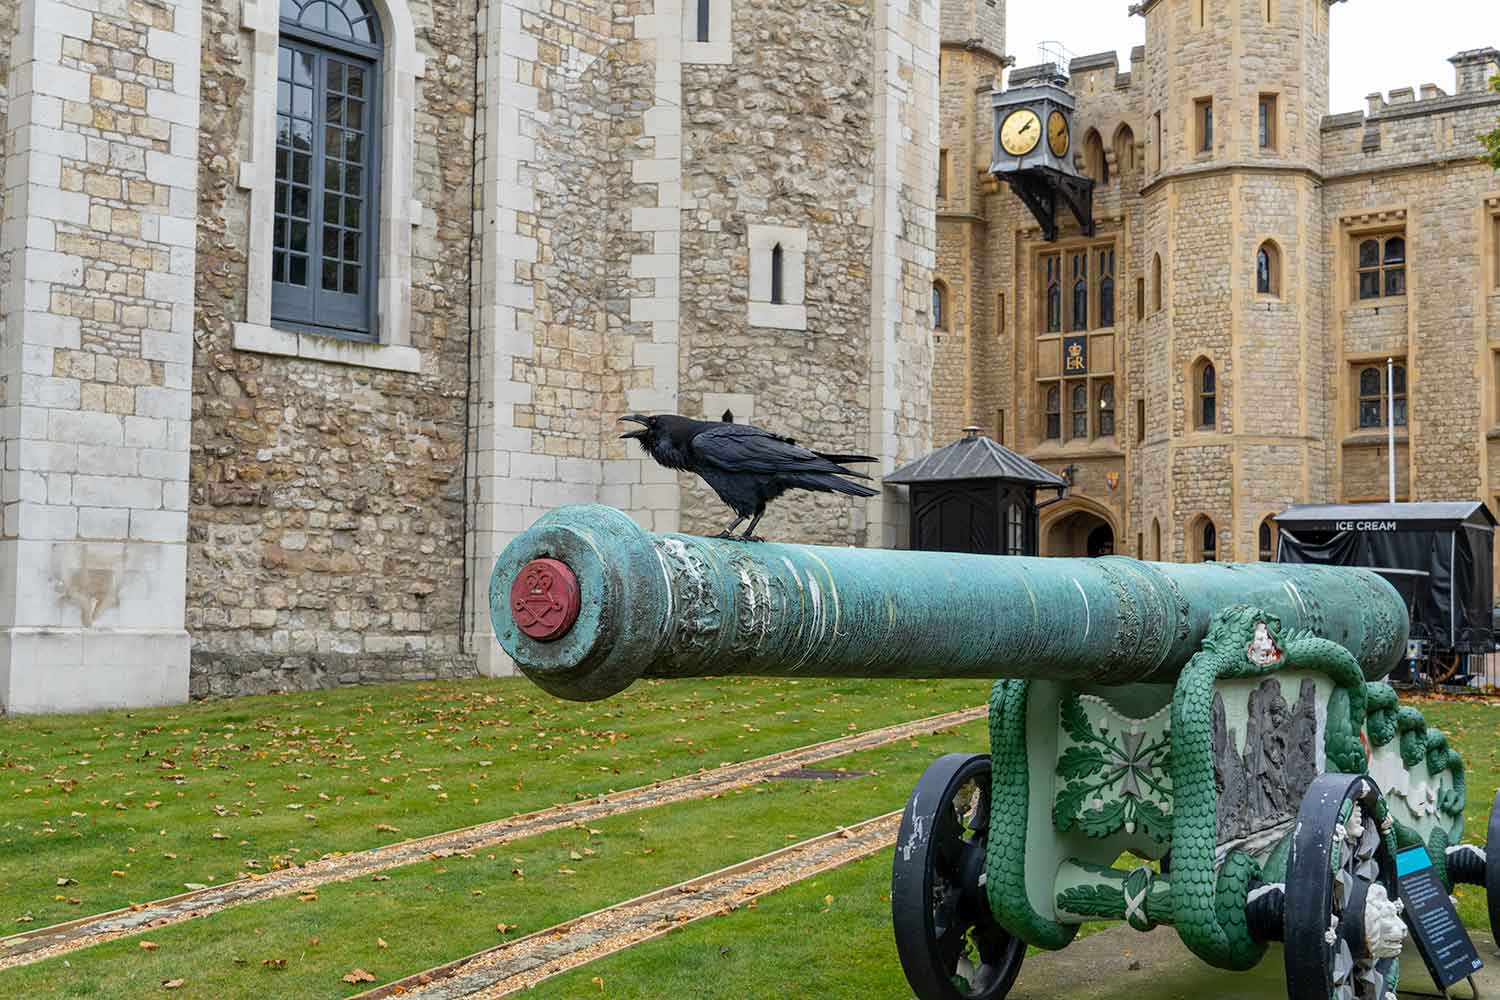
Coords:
pixel 778 275
pixel 1380 263
pixel 1371 397
pixel 1203 116
pixel 1207 387
pixel 1053 411
pixel 703 19
pixel 1266 115
pixel 312 308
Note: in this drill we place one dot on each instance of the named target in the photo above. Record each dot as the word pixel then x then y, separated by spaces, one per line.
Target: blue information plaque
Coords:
pixel 1440 935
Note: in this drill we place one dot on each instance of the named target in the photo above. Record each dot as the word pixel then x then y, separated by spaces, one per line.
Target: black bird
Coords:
pixel 746 466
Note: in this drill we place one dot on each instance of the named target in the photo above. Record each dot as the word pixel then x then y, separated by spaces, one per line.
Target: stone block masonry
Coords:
pixel 97 259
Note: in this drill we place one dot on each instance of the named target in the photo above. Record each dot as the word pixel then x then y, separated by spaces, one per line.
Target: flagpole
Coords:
pixel 1390 423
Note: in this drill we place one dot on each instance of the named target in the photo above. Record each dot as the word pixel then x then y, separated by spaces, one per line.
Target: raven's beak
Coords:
pixel 635 418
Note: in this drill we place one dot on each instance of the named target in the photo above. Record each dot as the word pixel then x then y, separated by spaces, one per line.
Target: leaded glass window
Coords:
pixel 1080 410
pixel 1107 287
pixel 1208 398
pixel 1381 267
pixel 1107 409
pixel 323 246
pixel 1015 530
pixel 1080 291
pixel 1054 413
pixel 1054 294
pixel 1373 396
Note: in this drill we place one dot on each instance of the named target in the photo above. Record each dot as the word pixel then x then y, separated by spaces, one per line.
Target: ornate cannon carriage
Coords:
pixel 1224 727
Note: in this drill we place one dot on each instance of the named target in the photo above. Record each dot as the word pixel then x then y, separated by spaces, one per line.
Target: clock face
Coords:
pixel 1057 133
pixel 1020 133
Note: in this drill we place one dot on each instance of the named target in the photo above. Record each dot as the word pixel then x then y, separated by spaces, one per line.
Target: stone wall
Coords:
pixel 781 137
pixel 326 536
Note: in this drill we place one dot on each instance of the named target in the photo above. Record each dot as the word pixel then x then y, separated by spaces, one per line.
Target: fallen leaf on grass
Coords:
pixel 380 878
pixel 386 828
pixel 505 928
pixel 599 982
pixel 273 963
pixel 358 976
pixel 148 946
pixel 380 943
pixel 194 885
pixel 308 897
pixel 64 880
pixel 172 984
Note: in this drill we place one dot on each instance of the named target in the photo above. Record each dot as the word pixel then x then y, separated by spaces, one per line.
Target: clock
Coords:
pixel 1020 132
pixel 1057 133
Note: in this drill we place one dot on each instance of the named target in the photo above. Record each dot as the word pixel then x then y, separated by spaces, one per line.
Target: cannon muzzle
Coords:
pixel 586 602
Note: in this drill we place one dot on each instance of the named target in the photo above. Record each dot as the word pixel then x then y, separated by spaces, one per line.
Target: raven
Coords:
pixel 746 466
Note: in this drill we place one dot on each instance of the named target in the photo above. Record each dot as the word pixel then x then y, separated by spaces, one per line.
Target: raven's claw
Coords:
pixel 726 533
pixel 751 538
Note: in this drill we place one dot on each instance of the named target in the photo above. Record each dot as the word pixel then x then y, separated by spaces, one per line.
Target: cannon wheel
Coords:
pixel 1337 855
pixel 951 948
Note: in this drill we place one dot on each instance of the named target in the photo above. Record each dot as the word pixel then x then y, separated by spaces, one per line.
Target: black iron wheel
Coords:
pixel 951 948
pixel 1340 881
pixel 1492 867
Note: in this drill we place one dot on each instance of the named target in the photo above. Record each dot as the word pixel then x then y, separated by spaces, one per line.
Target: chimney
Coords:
pixel 1475 68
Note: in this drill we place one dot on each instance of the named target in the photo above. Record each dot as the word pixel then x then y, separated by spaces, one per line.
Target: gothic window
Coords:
pixel 940 318
pixel 1209 551
pixel 1140 298
pixel 1080 292
pixel 1054 413
pixel 327 88
pixel 1374 396
pixel 1125 149
pixel 1080 409
pixel 1266 541
pixel 1206 383
pixel 778 276
pixel 1015 530
pixel 1107 286
pixel 942 177
pixel 1054 294
pixel 1381 267
pixel 1156 539
pixel 1268 269
pixel 1095 163
pixel 1107 409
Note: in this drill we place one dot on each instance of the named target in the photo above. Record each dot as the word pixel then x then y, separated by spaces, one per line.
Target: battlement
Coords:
pixel 1473 70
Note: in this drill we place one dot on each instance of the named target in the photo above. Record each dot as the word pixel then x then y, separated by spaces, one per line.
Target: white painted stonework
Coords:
pixel 93 557
pixel 791 312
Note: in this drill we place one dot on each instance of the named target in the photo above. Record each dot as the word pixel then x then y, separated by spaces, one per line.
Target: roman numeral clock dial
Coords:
pixel 1020 132
pixel 1057 133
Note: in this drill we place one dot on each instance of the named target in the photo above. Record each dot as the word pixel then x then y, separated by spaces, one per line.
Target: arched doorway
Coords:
pixel 1079 532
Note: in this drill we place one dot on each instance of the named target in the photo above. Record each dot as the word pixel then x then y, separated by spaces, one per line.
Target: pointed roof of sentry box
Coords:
pixel 974 456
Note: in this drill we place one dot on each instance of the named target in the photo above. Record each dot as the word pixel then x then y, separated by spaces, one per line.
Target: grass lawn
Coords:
pixel 802 943
pixel 98 811
pixel 435 911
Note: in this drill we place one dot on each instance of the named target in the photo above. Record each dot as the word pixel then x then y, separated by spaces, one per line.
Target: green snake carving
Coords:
pixel 1208 893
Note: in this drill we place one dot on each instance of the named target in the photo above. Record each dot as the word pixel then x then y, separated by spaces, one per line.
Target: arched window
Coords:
pixel 777 275
pixel 1374 394
pixel 939 306
pixel 327 191
pixel 1381 267
pixel 1209 551
pixel 1080 408
pixel 1015 530
pixel 1080 292
pixel 1156 296
pixel 1054 413
pixel 1206 385
pixel 1107 409
pixel 1156 539
pixel 1268 269
pixel 1095 163
pixel 1266 541
pixel 1125 149
pixel 1054 294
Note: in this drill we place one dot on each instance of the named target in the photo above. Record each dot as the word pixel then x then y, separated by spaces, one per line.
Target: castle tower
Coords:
pixel 1231 256
pixel 963 314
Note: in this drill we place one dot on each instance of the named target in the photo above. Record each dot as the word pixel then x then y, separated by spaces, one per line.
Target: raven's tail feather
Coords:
pixel 847 459
pixel 824 482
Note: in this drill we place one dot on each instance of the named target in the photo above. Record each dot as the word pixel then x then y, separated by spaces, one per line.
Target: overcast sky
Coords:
pixel 1377 44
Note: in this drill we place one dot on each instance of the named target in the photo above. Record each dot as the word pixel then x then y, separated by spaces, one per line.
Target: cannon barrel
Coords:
pixel 586 602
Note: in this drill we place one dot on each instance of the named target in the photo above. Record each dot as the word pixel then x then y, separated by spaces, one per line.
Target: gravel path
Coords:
pixel 521 964
pixel 46 942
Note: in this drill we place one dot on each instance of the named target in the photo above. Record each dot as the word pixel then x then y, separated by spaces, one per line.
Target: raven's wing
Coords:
pixel 742 448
